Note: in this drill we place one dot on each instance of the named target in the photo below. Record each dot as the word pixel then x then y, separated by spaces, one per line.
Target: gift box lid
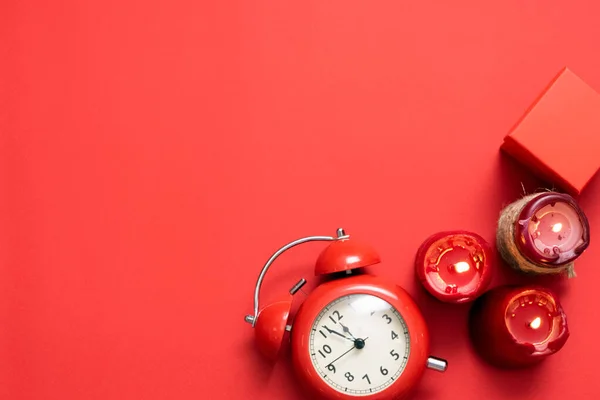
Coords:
pixel 558 138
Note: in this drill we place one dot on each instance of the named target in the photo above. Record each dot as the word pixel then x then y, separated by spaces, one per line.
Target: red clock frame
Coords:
pixel 360 284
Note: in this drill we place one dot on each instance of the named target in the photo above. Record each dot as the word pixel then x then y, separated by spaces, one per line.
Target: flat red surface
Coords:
pixel 154 154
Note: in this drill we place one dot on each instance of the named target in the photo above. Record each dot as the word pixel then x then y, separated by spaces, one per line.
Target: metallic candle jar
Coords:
pixel 543 233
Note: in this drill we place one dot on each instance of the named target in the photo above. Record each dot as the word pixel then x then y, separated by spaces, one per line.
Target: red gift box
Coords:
pixel 558 138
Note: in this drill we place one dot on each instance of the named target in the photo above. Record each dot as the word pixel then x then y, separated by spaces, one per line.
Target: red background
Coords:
pixel 155 153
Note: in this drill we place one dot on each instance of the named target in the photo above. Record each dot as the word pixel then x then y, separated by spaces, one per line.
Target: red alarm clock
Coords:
pixel 357 336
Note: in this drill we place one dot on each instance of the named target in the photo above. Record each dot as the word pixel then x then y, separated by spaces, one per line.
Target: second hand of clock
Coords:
pixel 346 352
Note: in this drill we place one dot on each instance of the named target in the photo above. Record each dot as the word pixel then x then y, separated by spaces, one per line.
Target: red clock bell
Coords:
pixel 355 336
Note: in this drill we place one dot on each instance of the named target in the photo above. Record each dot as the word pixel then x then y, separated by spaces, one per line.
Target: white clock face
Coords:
pixel 359 344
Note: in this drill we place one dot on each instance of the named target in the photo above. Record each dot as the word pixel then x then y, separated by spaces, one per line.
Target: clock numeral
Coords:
pixel 349 376
pixel 326 349
pixel 383 370
pixel 367 378
pixel 327 329
pixel 338 315
pixel 395 355
pixel 331 367
pixel 394 335
pixel 389 320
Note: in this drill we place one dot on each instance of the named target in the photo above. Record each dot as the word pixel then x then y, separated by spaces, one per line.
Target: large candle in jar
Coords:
pixel 454 266
pixel 543 233
pixel 512 326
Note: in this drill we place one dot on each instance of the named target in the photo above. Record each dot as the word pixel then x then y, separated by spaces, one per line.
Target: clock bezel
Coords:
pixel 397 297
pixel 393 373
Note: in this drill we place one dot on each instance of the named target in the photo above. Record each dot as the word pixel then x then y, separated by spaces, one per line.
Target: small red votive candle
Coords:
pixel 514 327
pixel 543 233
pixel 454 266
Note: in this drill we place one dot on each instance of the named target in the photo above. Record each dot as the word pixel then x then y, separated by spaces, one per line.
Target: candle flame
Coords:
pixel 536 323
pixel 557 227
pixel 461 267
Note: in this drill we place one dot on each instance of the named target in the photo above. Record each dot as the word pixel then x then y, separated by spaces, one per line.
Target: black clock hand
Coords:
pixel 358 344
pixel 346 352
pixel 337 333
pixel 346 330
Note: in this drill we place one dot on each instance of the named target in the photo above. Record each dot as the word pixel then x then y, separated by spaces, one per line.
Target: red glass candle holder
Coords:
pixel 515 327
pixel 552 229
pixel 543 233
pixel 454 266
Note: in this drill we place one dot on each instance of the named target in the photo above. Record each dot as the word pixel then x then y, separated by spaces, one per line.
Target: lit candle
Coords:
pixel 454 266
pixel 517 326
pixel 543 233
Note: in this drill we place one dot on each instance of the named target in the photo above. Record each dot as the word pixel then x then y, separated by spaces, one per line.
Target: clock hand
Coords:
pixel 348 351
pixel 346 330
pixel 337 333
